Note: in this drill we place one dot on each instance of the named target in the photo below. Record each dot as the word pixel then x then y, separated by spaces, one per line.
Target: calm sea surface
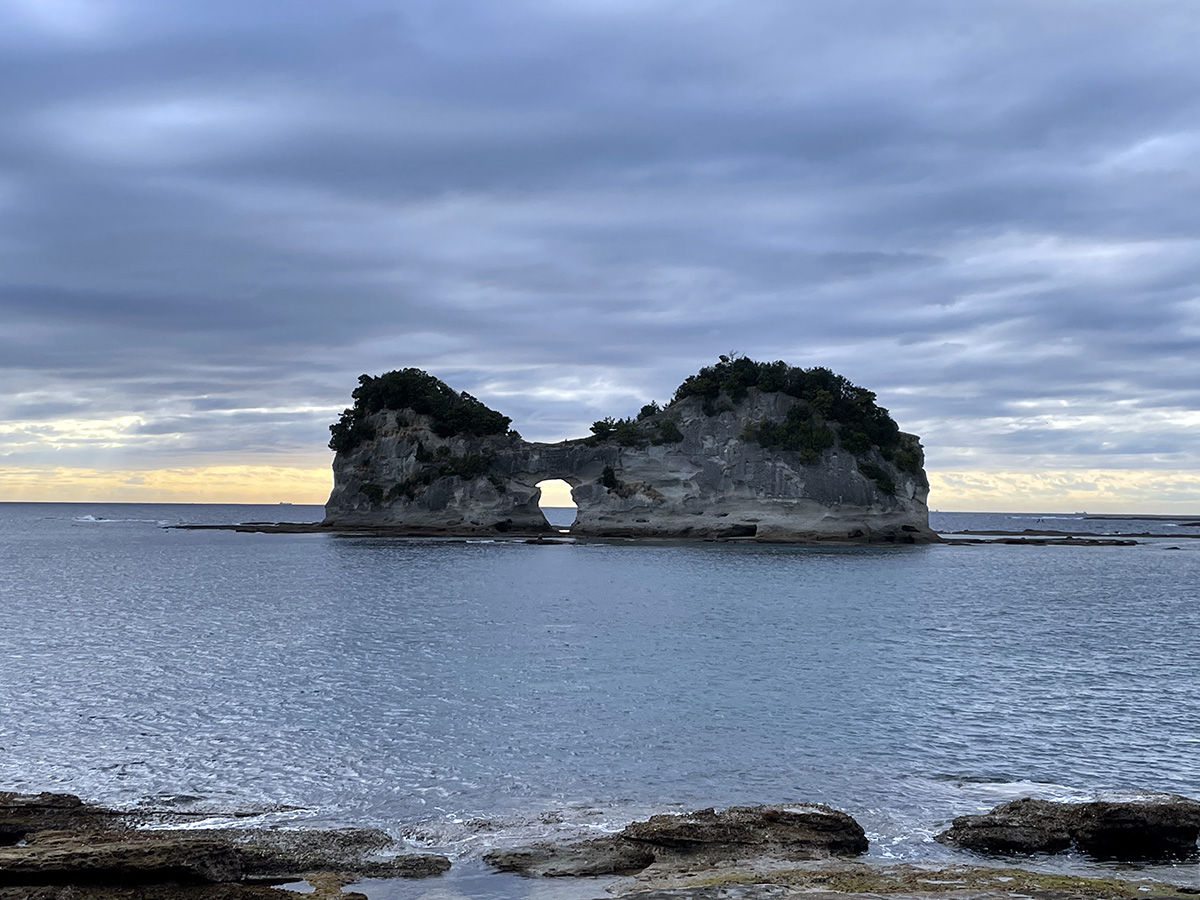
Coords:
pixel 478 693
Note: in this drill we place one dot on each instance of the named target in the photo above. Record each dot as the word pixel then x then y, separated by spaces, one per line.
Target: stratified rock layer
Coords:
pixel 22 814
pixel 100 858
pixel 713 482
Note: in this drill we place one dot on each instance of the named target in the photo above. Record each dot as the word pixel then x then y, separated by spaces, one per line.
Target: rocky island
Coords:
pixel 750 450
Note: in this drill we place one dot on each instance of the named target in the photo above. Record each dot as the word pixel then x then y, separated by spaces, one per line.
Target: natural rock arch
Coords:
pixel 705 466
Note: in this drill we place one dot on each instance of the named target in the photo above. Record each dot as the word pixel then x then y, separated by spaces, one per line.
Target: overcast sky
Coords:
pixel 215 215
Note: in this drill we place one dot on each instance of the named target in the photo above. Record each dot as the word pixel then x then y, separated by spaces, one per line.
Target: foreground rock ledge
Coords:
pixel 1162 827
pixel 706 836
pixel 54 845
pixel 841 880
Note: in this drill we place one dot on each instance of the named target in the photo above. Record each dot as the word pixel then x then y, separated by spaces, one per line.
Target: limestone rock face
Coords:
pixel 710 480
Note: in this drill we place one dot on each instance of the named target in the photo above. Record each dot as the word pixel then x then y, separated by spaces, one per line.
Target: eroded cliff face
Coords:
pixel 708 480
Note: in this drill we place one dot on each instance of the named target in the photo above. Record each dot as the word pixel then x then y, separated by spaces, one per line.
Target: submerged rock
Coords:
pixel 1163 827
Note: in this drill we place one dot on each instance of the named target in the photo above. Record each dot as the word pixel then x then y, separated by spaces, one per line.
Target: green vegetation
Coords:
pixel 881 478
pixel 372 492
pixel 833 412
pixel 668 433
pixel 609 479
pixel 625 432
pixel 637 432
pixel 799 432
pixel 450 412
pixel 833 406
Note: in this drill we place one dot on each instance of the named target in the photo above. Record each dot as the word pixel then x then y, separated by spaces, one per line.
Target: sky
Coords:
pixel 215 215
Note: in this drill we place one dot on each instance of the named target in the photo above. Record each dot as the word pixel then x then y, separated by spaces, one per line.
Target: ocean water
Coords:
pixel 465 695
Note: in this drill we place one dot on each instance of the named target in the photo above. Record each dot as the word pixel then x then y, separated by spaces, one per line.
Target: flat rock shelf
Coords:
pixel 56 847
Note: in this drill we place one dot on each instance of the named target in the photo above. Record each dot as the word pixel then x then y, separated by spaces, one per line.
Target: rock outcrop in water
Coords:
pixel 57 846
pixel 697 839
pixel 744 450
pixel 1163 827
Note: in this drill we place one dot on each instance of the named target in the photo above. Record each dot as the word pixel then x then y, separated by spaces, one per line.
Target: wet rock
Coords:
pixel 114 858
pixel 152 892
pixel 782 832
pixel 55 840
pixel 601 856
pixel 1139 830
pixel 721 892
pixel 793 832
pixel 1001 833
pixel 363 852
pixel 1163 827
pixel 838 880
pixel 23 814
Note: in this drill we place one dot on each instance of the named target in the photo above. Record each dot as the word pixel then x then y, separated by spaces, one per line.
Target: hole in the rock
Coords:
pixel 556 503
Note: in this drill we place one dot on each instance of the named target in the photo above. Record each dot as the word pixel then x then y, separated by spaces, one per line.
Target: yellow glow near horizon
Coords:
pixel 1096 491
pixel 1092 490
pixel 555 492
pixel 198 484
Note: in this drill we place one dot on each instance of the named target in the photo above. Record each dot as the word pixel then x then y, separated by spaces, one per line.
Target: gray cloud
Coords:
pixel 214 216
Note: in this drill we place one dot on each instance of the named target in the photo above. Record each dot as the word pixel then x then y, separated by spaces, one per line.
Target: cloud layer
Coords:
pixel 214 216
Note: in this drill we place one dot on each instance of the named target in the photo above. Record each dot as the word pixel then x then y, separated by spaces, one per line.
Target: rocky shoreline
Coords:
pixel 1026 538
pixel 57 847
pixel 528 535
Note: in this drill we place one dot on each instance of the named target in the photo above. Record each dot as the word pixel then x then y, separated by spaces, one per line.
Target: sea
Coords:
pixel 465 695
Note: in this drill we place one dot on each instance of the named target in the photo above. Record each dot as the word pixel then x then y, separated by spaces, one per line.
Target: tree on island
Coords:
pixel 450 412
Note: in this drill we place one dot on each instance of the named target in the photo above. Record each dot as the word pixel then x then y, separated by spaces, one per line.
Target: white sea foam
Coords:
pixel 106 521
